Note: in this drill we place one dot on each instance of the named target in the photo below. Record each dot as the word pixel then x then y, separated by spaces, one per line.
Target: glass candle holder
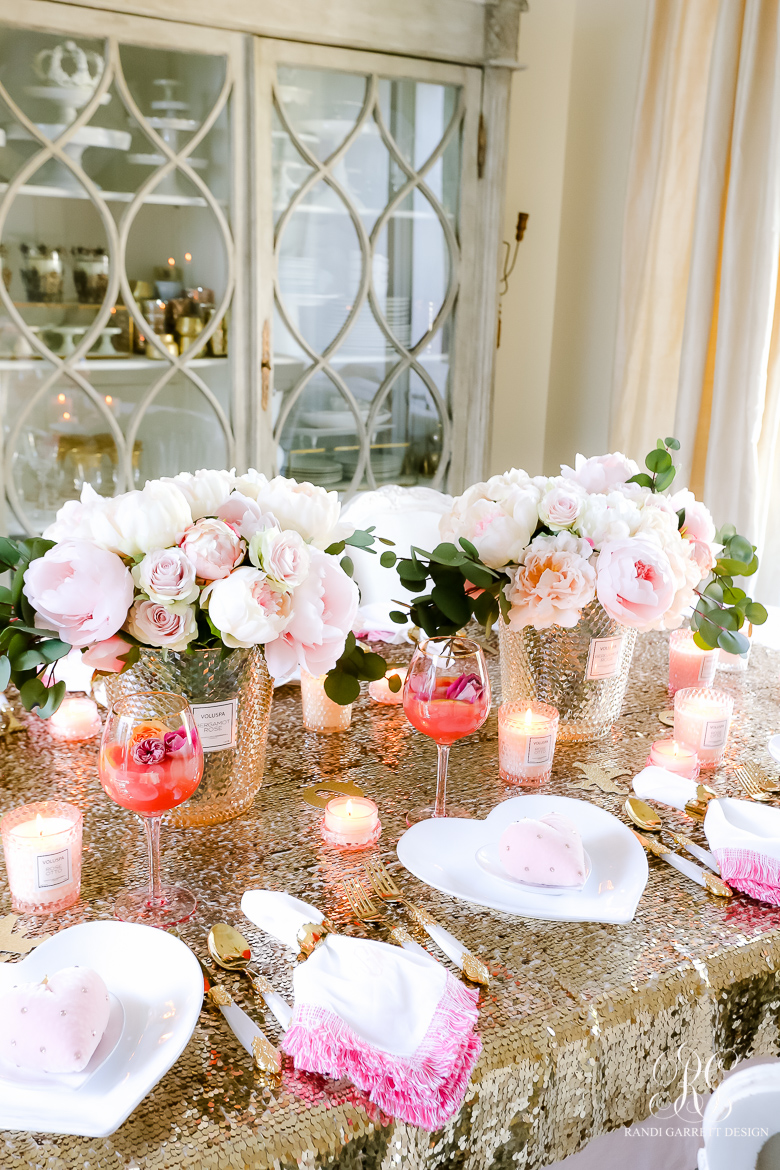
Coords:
pixel 526 741
pixel 351 822
pixel 674 757
pixel 689 666
pixel 702 718
pixel 379 689
pixel 319 712
pixel 42 847
pixel 76 718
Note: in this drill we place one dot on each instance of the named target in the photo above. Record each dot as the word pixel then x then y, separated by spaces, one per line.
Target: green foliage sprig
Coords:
pixel 24 650
pixel 462 588
pixel 660 464
pixel 723 608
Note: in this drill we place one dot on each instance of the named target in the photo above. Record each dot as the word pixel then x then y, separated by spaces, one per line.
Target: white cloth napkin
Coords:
pixel 655 783
pixel 745 838
pixel 395 1023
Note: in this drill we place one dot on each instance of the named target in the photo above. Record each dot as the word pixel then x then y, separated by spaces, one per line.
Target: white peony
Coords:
pixel 304 508
pixel 283 556
pixel 658 519
pixel 172 626
pixel 499 529
pixel 204 490
pixel 246 610
pixel 601 473
pixel 250 483
pixel 607 518
pixel 561 504
pixel 132 524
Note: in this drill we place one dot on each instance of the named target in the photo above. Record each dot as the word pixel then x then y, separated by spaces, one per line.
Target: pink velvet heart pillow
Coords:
pixel 56 1025
pixel 547 852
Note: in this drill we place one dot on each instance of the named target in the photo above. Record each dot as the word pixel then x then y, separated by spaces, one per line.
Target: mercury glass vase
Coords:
pixel 231 700
pixel 582 671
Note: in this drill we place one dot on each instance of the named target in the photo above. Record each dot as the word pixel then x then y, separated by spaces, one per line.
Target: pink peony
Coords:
pixel 245 515
pixel 166 575
pixel 324 608
pixel 214 547
pixel 602 473
pixel 245 608
pixel 106 655
pixel 80 590
pixel 148 751
pixel 553 585
pixel 173 625
pixel 634 582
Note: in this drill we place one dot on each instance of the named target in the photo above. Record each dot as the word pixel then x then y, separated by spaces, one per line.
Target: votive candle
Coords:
pixel 351 822
pixel 701 721
pixel 42 847
pixel 76 718
pixel 379 689
pixel 674 757
pixel 319 712
pixel 526 741
pixel 689 666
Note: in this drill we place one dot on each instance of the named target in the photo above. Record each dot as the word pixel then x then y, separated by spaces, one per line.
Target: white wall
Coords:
pixel 570 133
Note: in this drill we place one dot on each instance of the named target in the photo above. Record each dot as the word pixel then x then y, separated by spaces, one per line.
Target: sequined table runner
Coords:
pixel 581 1025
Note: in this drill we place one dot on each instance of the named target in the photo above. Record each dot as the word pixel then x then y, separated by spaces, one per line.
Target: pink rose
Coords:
pixel 173 625
pixel 166 575
pixel 214 548
pixel 245 515
pixel 148 751
pixel 561 506
pixel 634 582
pixel 283 556
pixel 79 590
pixel 324 608
pixel 106 655
pixel 602 473
pixel 553 585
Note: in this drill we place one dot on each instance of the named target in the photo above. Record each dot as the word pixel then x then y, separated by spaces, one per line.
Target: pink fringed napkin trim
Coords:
pixel 425 1089
pixel 753 873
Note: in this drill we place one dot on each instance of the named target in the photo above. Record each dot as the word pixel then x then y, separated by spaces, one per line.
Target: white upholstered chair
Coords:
pixel 741 1124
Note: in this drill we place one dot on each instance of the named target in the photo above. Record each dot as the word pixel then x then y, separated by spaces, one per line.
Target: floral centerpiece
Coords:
pixel 190 578
pixel 603 546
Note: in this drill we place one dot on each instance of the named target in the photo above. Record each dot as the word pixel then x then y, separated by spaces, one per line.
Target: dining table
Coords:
pixel 586 1027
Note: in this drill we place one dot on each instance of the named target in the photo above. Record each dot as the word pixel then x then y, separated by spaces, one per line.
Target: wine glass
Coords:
pixel 151 760
pixel 446 697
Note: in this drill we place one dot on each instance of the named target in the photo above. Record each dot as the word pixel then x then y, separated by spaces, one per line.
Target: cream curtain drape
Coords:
pixel 698 349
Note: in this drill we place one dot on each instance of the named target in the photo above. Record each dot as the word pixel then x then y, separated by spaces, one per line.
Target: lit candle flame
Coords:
pixel 529 716
pixel 349 808
pixel 39 824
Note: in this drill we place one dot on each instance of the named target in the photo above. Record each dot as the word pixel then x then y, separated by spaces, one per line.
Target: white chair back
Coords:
pixel 740 1122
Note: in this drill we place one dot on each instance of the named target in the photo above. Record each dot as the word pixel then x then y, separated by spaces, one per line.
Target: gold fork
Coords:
pixel 387 889
pixel 758 773
pixel 367 911
pixel 751 784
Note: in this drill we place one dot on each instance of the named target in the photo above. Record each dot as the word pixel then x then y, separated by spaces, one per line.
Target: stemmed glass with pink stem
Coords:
pixel 446 697
pixel 151 760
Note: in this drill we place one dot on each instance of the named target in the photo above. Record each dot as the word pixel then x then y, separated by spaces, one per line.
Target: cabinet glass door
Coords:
pixel 118 255
pixel 367 171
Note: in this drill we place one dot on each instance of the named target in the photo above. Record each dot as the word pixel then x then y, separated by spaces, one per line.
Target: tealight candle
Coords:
pixel 319 712
pixel 689 666
pixel 379 689
pixel 701 721
pixel 675 757
pixel 42 847
pixel 76 718
pixel 351 822
pixel 526 741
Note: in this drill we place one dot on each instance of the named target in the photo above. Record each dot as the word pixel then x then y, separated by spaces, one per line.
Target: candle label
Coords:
pixel 604 657
pixel 539 749
pixel 715 733
pixel 51 870
pixel 707 669
pixel 216 724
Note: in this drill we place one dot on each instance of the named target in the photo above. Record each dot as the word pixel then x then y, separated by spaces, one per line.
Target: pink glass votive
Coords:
pixel 351 822
pixel 702 717
pixel 76 718
pixel 42 847
pixel 379 689
pixel 675 757
pixel 319 712
pixel 526 741
pixel 689 666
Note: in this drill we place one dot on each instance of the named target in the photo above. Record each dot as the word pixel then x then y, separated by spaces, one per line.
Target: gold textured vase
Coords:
pixel 231 699
pixel 582 671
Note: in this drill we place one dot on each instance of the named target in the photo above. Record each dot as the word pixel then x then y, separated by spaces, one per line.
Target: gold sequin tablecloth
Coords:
pixel 581 1023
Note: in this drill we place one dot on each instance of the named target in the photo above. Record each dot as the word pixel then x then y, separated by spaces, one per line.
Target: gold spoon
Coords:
pixel 647 819
pixel 231 951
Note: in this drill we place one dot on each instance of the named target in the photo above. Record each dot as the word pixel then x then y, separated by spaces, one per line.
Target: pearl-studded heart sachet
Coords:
pixel 54 1026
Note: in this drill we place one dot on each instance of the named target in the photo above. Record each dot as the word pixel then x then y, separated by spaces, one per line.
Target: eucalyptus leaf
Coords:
pixel 336 548
pixel 468 547
pixel 478 576
pixel 394 683
pixel 664 479
pixel 398 616
pixel 347 565
pixel 387 559
pixel 452 604
pixel 28 660
pixel 741 549
pixel 54 697
pixel 642 478
pixel 447 554
pixel 658 460
pixel 756 613
pixel 374 666
pixel 341 688
pixel 32 693
pixel 733 643
pixel 673 444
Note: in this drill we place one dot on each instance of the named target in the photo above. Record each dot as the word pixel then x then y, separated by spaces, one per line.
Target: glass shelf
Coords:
pixel 173 200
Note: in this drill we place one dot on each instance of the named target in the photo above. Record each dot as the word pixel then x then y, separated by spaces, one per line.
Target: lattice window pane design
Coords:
pixel 118 266
pixel 366 182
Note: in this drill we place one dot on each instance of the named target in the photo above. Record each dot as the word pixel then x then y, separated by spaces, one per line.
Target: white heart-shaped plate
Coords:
pixel 442 853
pixel 159 986
pixel 774 747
